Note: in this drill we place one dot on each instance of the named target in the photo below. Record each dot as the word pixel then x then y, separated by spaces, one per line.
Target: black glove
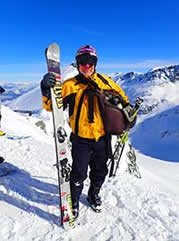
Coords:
pixel 48 80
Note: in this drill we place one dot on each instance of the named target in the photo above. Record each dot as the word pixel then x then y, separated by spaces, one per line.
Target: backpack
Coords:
pixel 116 118
pixel 113 117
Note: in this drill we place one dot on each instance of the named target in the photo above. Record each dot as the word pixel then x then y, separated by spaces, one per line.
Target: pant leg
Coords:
pixel 81 156
pixel 98 163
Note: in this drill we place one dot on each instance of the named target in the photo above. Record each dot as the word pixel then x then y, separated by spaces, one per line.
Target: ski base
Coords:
pixel 14 137
pixel 68 223
pixel 67 218
pixel 52 54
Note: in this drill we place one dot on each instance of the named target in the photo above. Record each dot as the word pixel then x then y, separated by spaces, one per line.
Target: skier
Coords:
pixel 89 140
pixel 2 90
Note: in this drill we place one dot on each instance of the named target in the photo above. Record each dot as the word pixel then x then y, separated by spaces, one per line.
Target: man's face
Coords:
pixel 87 64
pixel 86 70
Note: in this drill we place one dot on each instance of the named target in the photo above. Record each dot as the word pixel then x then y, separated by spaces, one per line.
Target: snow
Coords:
pixel 133 209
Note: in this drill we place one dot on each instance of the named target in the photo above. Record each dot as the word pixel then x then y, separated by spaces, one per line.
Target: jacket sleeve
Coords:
pixel 68 95
pixel 46 97
pixel 117 88
pixel 47 103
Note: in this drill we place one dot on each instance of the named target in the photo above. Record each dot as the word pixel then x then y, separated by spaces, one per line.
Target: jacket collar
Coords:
pixel 81 79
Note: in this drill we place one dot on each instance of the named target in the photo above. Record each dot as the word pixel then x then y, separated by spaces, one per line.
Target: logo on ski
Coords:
pixel 62 152
pixel 61 134
pixel 58 93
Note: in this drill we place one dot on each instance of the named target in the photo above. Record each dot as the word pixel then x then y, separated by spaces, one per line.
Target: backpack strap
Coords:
pixel 90 93
pixel 92 90
pixel 103 79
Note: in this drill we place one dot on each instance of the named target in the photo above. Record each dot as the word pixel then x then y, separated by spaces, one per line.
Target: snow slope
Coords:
pixel 158 134
pixel 32 99
pixel 135 209
pixel 162 134
pixel 144 209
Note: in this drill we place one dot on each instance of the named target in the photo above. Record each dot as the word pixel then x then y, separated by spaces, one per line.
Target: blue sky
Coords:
pixel 128 35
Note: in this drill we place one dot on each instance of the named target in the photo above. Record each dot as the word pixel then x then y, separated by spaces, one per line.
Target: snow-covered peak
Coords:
pixel 158 87
pixel 156 75
pixel 69 72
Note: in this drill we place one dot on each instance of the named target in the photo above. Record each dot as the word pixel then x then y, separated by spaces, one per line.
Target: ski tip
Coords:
pixel 46 51
pixel 53 46
pixel 53 52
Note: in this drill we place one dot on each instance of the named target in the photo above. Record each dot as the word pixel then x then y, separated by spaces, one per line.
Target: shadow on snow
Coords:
pixel 30 189
pixel 158 136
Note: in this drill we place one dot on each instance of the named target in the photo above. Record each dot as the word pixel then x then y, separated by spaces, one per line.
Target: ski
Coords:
pixel 119 149
pixel 2 133
pixel 14 137
pixel 121 143
pixel 133 168
pixel 53 63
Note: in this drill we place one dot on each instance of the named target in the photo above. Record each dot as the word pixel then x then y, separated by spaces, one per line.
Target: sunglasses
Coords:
pixel 87 59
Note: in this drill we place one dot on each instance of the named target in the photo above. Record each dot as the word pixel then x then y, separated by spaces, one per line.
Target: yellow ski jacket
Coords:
pixel 73 93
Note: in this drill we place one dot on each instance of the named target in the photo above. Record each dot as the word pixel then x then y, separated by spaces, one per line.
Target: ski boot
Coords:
pixel 75 209
pixel 94 199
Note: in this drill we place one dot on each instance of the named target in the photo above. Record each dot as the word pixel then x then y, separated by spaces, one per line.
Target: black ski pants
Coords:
pixel 87 152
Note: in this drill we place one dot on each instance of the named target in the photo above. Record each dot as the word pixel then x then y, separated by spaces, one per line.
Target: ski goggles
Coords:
pixel 86 59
